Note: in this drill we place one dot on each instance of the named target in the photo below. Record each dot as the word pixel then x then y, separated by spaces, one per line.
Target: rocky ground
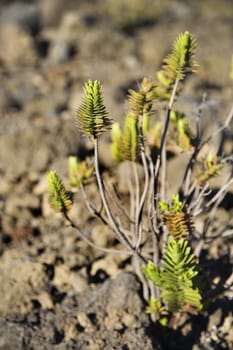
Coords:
pixel 55 291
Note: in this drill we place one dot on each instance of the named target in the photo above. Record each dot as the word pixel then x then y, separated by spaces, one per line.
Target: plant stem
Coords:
pixel 146 184
pixel 92 209
pixel 120 235
pixel 89 242
pixel 161 158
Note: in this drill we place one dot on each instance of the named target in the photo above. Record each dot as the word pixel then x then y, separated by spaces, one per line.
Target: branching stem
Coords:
pixel 146 185
pixel 161 159
pixel 112 221
pixel 93 245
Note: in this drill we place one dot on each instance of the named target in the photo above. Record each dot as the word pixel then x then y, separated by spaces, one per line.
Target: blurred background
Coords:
pixel 116 42
pixel 48 48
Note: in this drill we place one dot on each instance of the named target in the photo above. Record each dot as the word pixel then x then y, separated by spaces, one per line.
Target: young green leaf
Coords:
pixel 116 135
pixel 176 66
pixel 175 277
pixel 179 223
pixel 125 144
pixel 59 197
pixel 152 273
pixel 184 136
pixel 92 115
pixel 140 102
pixel 181 61
pixel 79 172
pixel 211 168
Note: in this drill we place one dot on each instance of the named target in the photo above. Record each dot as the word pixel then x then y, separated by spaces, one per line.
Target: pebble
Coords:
pixel 17 47
pixel 59 52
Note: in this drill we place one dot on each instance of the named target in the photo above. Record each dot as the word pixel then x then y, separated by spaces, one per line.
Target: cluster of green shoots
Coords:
pixel 155 230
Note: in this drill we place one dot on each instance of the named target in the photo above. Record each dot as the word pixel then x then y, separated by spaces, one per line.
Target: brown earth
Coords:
pixel 55 291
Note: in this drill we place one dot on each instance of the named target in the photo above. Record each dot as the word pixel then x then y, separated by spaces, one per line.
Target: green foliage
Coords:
pixel 116 135
pixel 154 135
pixel 177 65
pixel 125 144
pixel 178 222
pixel 146 123
pixel 152 273
pixel 210 168
pixel 164 87
pixel 179 134
pixel 137 224
pixel 156 308
pixel 59 197
pixel 175 277
pixel 181 61
pixel 140 102
pixel 93 117
pixel 181 125
pixel 175 206
pixel 79 172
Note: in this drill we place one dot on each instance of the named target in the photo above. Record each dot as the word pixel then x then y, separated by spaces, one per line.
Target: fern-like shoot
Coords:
pixel 179 223
pixel 175 276
pixel 93 117
pixel 176 66
pixel 59 197
pixel 181 61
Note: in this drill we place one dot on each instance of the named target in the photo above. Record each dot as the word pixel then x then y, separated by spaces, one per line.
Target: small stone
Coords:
pixel 61 276
pixel 14 204
pixel 102 236
pixel 227 327
pixel 17 48
pixel 79 281
pixel 45 300
pixel 110 264
pixel 85 322
pixel 129 320
pixel 215 319
pixel 70 329
pixel 20 276
pixel 113 320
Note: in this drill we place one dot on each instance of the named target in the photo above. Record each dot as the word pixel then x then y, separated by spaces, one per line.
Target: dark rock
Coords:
pixel 24 15
pixel 11 335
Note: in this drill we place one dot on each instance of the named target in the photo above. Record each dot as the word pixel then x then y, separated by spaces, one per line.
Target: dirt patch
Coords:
pixel 55 291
